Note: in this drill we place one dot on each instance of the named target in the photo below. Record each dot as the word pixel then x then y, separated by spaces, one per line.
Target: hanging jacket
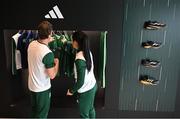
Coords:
pixel 22 45
pixel 102 59
pixel 65 53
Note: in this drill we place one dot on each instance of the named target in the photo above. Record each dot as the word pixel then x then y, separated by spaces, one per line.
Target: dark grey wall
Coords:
pixel 133 95
pixel 4 88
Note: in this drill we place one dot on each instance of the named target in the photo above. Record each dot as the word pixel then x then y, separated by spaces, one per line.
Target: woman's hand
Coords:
pixel 69 93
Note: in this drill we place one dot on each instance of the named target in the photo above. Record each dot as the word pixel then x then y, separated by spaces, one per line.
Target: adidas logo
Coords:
pixel 54 14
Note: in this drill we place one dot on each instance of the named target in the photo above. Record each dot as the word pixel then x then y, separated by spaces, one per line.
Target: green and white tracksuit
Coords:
pixel 86 87
pixel 40 57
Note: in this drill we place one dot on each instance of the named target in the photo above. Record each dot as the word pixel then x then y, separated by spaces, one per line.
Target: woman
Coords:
pixel 84 73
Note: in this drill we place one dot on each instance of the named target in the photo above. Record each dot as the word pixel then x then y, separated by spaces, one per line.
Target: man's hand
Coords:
pixel 69 93
pixel 50 38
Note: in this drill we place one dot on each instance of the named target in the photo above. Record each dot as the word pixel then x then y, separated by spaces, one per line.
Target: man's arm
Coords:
pixel 51 65
pixel 53 71
pixel 81 69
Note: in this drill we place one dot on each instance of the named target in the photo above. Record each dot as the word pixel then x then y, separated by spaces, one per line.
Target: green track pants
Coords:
pixel 86 103
pixel 40 102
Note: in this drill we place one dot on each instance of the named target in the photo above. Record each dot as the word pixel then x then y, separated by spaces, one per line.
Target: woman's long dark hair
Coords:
pixel 82 39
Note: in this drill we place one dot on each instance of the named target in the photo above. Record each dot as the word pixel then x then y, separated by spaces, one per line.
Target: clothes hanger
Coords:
pixel 20 31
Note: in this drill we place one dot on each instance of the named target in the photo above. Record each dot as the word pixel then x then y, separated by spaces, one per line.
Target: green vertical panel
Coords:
pixel 133 95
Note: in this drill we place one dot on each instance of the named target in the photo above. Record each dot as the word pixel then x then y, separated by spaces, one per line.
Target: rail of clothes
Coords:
pixel 62 48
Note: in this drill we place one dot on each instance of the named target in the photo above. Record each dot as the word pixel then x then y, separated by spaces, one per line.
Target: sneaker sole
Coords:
pixel 147 83
pixel 148 47
pixel 151 66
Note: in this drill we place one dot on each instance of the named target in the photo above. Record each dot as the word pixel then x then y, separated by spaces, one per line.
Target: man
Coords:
pixel 42 67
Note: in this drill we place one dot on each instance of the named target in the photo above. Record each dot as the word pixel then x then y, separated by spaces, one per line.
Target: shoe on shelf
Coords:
pixel 151 44
pixel 148 80
pixel 150 63
pixel 153 25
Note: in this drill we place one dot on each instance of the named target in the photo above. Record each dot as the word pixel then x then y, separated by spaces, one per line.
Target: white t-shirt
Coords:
pixel 38 79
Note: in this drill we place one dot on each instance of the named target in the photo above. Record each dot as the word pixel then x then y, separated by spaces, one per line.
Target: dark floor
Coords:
pixel 60 107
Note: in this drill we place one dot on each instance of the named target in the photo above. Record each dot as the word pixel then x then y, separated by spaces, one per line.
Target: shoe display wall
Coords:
pixel 146 79
pixel 150 50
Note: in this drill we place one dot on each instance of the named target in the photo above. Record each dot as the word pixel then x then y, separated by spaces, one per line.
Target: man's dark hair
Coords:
pixel 44 29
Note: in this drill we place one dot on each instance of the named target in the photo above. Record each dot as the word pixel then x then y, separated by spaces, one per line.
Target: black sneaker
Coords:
pixel 147 80
pixel 151 44
pixel 150 63
pixel 153 25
